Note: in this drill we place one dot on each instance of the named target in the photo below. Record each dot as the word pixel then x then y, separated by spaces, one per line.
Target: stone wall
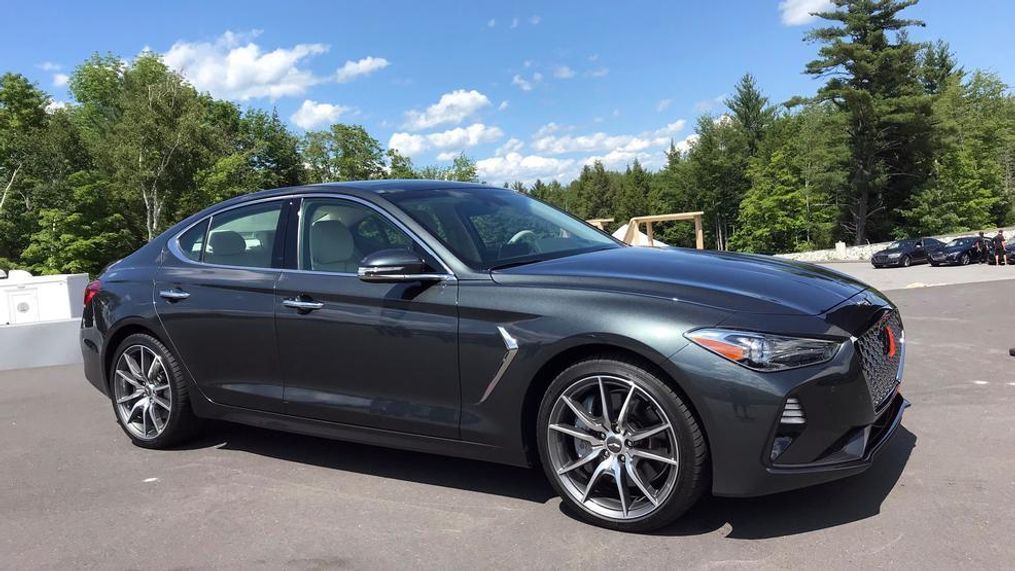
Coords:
pixel 844 253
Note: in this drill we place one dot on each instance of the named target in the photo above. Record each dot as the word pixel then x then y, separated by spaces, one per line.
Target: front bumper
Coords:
pixel 745 413
pixel 886 262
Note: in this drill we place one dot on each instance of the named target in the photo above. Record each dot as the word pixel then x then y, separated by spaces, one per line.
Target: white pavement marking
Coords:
pixel 981 383
pixel 150 480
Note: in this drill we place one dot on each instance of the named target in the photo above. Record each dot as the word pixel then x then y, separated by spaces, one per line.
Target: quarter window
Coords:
pixel 192 241
pixel 244 236
pixel 336 234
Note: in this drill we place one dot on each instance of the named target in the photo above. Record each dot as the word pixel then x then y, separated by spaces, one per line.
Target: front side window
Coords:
pixel 492 228
pixel 244 236
pixel 336 234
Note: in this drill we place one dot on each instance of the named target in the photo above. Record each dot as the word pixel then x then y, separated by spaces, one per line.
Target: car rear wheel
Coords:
pixel 149 394
pixel 620 446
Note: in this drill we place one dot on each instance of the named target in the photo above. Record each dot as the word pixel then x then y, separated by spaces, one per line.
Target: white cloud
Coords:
pixel 407 143
pixel 56 105
pixel 707 105
pixel 526 168
pixel 594 57
pixel 234 67
pixel 60 79
pixel 49 66
pixel 503 105
pixel 546 140
pixel 563 72
pixel 457 139
pixel 452 108
pixel 491 23
pixel 514 23
pixel 312 114
pixel 447 155
pixel 521 82
pixel 365 66
pixel 663 105
pixel 599 72
pixel 798 12
pixel 535 20
pixel 511 146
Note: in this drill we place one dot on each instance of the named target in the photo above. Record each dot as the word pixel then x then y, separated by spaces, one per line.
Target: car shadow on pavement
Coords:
pixel 472 475
pixel 809 509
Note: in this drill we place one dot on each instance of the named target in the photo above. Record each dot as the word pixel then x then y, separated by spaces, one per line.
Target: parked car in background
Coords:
pixel 904 253
pixel 960 251
pixel 1009 254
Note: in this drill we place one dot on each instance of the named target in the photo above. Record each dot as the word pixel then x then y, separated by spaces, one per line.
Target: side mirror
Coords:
pixel 398 265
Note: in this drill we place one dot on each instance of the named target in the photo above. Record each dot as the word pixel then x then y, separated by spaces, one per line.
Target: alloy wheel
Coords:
pixel 612 447
pixel 141 392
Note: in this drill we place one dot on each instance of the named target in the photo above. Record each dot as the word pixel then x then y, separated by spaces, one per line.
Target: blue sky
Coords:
pixel 527 89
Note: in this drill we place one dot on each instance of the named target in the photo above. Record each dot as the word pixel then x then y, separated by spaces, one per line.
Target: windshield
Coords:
pixel 961 242
pixel 494 228
pixel 899 244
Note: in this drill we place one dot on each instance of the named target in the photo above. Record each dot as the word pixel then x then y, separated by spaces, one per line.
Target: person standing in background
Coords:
pixel 999 245
pixel 981 249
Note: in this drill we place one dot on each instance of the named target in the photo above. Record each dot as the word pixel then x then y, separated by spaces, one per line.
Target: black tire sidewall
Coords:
pixel 181 421
pixel 692 467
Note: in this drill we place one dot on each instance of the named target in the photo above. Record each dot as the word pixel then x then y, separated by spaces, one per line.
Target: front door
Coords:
pixel 368 354
pixel 215 296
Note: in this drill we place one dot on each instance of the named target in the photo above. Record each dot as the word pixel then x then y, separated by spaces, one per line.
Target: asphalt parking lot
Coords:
pixel 75 493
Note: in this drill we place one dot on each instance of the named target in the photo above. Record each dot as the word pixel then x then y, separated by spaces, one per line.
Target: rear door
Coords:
pixel 215 296
pixel 382 355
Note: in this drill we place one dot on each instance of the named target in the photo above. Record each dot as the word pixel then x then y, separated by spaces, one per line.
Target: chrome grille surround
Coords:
pixel 882 372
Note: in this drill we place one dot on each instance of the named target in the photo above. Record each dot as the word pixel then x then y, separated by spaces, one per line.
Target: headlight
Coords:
pixel 764 352
pixel 894 254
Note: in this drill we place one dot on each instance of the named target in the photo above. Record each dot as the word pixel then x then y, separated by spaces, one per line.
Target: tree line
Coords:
pixel 899 141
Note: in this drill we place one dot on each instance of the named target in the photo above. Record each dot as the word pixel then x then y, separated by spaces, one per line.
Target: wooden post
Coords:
pixel 648 232
pixel 699 236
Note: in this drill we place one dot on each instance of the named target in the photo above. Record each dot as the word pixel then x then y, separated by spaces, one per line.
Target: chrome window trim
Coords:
pixel 173 244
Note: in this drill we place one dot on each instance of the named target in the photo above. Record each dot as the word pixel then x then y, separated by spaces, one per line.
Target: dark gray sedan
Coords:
pixel 474 321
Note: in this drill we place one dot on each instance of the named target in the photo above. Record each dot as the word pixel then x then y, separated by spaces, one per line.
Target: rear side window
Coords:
pixel 244 236
pixel 192 241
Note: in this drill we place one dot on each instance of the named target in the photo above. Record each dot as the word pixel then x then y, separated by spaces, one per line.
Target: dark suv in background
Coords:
pixel 904 253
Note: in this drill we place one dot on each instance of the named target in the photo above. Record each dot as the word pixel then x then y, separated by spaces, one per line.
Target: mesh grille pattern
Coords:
pixel 880 369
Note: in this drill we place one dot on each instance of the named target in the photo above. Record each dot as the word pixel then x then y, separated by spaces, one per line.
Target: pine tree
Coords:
pixel 873 77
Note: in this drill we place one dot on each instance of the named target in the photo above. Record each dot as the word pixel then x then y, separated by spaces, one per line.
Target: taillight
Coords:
pixel 90 291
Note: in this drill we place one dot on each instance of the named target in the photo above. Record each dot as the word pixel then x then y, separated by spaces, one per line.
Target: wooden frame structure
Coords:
pixel 600 222
pixel 632 226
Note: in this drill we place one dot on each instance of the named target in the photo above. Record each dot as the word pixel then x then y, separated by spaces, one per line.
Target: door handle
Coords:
pixel 174 294
pixel 302 304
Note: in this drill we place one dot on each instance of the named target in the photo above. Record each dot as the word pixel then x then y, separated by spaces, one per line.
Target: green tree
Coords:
pixel 961 196
pixel 872 68
pixel 84 236
pixel 400 166
pixel 343 152
pixel 750 111
pixel 147 130
pixel 717 164
pixel 633 195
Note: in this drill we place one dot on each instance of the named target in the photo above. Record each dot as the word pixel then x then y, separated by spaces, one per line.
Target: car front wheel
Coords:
pixel 620 446
pixel 906 261
pixel 964 260
pixel 149 394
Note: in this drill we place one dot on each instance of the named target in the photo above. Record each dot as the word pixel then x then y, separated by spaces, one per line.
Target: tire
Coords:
pixel 964 260
pixel 934 264
pixel 148 424
pixel 674 488
pixel 906 261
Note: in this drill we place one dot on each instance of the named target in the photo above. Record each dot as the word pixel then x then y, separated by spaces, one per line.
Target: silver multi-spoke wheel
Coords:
pixel 612 447
pixel 141 392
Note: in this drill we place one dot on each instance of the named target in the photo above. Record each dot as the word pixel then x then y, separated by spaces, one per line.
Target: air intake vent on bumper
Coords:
pixel 793 413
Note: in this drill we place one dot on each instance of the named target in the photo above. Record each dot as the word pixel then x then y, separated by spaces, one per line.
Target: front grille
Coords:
pixel 881 368
pixel 880 259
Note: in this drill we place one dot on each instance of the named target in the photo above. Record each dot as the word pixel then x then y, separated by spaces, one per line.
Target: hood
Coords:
pixel 887 251
pixel 727 281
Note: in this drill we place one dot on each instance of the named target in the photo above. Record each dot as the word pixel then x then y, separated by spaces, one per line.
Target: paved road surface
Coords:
pixel 925 275
pixel 75 493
